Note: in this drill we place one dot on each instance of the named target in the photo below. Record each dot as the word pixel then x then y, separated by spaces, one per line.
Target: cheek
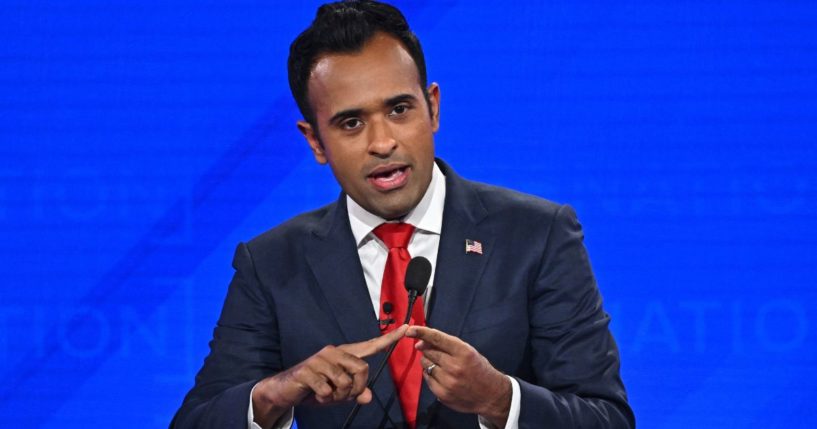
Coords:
pixel 346 164
pixel 418 135
pixel 343 152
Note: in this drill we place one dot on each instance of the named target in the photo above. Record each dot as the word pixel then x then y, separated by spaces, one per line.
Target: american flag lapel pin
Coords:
pixel 473 246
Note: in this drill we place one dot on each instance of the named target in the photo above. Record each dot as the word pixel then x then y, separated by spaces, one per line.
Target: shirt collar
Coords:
pixel 426 216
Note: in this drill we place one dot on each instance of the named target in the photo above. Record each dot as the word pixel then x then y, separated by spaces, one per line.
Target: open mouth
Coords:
pixel 389 177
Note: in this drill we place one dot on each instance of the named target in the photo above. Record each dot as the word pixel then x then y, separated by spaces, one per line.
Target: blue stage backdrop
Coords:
pixel 141 141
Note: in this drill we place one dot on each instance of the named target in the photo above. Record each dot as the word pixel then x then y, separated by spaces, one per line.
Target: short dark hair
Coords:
pixel 344 27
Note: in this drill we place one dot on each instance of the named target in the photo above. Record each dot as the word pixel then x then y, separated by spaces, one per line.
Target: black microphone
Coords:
pixel 418 273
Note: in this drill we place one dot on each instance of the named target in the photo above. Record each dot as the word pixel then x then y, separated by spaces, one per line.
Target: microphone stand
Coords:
pixel 351 417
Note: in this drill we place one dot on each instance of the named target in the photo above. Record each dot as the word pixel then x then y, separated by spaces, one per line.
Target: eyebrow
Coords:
pixel 391 101
pixel 399 99
pixel 348 113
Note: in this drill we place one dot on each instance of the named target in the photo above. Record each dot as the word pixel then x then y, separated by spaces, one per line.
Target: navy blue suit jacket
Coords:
pixel 529 304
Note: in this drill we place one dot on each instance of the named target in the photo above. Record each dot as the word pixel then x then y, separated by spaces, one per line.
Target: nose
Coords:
pixel 381 139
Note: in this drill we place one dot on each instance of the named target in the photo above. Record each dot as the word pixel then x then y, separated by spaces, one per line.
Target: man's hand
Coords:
pixel 334 374
pixel 462 379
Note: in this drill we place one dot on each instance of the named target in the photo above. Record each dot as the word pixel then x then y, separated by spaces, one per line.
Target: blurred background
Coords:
pixel 141 141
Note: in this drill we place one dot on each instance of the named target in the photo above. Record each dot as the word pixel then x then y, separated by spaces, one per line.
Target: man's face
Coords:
pixel 374 126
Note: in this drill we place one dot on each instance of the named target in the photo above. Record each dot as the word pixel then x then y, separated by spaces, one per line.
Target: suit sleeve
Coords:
pixel 574 354
pixel 245 349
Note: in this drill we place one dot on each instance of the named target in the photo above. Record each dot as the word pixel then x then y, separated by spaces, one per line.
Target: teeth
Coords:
pixel 390 175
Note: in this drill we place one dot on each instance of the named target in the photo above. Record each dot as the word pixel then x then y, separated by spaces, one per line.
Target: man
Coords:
pixel 515 335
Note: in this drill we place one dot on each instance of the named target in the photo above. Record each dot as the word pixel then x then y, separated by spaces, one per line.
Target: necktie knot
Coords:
pixel 395 235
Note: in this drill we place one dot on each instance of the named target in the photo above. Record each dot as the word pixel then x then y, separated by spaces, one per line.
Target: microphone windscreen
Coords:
pixel 418 273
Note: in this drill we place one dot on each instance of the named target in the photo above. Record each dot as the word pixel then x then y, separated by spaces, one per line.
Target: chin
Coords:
pixel 393 211
pixel 393 214
pixel 394 205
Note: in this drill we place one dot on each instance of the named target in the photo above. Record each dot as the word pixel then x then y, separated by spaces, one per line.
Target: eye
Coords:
pixel 400 109
pixel 351 124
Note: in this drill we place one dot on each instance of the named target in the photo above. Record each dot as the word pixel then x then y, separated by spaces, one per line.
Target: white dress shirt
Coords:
pixel 427 219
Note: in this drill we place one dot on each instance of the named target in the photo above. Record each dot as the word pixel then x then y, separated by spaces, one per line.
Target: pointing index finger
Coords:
pixel 437 339
pixel 375 345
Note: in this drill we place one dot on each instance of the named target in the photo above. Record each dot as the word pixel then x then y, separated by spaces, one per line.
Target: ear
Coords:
pixel 314 142
pixel 434 104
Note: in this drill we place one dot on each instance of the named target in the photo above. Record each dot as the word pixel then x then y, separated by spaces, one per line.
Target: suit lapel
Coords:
pixel 457 273
pixel 332 255
pixel 334 261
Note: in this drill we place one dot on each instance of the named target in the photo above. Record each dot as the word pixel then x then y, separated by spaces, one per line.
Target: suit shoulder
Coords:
pixel 498 200
pixel 291 232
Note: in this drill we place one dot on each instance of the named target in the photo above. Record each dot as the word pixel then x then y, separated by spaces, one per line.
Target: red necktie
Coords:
pixel 404 363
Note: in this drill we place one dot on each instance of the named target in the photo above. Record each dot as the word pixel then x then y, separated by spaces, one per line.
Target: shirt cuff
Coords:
pixel 513 414
pixel 284 422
